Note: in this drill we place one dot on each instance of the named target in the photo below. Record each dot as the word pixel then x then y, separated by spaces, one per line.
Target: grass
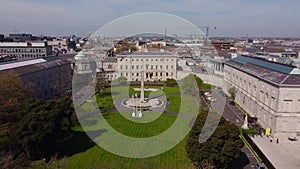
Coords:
pixel 128 127
pixel 105 101
pixel 207 86
pixel 97 157
pixel 175 102
pixel 83 153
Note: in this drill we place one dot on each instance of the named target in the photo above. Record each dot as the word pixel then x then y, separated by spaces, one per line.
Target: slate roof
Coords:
pixel 22 70
pixel 276 73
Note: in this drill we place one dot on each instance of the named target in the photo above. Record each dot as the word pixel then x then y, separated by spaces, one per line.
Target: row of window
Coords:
pixel 147 75
pixel 20 56
pixel 148 60
pixel 147 67
pixel 30 50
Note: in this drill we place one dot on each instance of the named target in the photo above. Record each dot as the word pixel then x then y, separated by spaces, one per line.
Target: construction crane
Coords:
pixel 207 30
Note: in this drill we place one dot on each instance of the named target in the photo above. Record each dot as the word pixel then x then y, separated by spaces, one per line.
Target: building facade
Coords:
pixel 267 90
pixel 49 77
pixel 155 65
pixel 25 50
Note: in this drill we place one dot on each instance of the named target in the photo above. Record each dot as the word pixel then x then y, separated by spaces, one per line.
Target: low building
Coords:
pixel 49 76
pixel 267 90
pixel 20 37
pixel 25 50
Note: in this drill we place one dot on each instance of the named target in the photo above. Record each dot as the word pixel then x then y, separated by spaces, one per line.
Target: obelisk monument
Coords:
pixel 142 87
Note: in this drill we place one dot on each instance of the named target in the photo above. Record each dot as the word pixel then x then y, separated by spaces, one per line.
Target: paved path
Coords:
pixel 284 155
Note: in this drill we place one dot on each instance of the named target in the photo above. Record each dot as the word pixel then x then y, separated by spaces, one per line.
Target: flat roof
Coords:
pixel 20 64
pixel 22 44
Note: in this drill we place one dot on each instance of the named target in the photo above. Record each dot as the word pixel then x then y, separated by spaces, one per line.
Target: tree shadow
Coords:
pixel 240 162
pixel 81 141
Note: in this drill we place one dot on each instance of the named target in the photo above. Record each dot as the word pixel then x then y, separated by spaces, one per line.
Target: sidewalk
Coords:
pixel 284 155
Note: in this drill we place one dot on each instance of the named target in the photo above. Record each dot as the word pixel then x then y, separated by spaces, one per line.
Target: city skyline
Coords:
pixel 276 18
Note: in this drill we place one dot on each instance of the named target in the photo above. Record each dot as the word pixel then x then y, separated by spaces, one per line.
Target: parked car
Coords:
pixel 232 103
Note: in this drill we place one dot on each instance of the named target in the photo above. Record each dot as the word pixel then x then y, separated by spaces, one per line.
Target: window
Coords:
pixel 172 66
pixel 121 67
pixel 137 66
pixel 284 126
pixel 167 74
pixel 109 66
pixel 287 106
pixel 166 66
pixel 121 74
pixel 161 66
pixel 272 102
pixel 156 66
pixel 132 67
pixel 126 67
pixel 132 59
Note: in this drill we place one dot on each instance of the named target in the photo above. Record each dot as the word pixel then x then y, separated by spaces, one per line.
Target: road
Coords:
pixel 233 114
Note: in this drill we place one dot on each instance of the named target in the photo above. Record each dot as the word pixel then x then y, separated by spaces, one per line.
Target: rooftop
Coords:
pixel 22 44
pixel 29 66
pixel 150 53
pixel 276 73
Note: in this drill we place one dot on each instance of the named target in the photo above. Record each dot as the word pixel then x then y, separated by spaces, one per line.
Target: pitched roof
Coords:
pixel 276 73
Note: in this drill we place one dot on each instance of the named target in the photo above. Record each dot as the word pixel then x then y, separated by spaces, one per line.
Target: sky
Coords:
pixel 269 18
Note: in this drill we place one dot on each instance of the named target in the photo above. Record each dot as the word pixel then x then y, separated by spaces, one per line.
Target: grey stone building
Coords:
pixel 50 77
pixel 267 90
pixel 156 65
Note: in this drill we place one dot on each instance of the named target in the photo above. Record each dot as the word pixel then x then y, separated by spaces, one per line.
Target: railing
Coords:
pixel 260 154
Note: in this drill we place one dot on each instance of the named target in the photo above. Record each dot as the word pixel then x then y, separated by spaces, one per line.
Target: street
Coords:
pixel 233 114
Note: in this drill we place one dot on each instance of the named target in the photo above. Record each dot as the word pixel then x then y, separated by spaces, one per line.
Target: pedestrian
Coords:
pixel 277 140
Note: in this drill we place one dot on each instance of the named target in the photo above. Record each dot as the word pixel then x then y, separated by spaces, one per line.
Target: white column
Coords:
pixel 142 87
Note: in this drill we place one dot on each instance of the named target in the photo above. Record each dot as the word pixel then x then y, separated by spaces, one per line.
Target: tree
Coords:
pixel 120 81
pixel 232 91
pixel 101 82
pixel 219 150
pixel 191 83
pixel 171 82
pixel 42 128
pixel 13 93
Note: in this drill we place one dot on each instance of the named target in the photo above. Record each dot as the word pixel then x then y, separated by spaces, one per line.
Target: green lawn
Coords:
pixel 97 157
pixel 175 102
pixel 84 153
pixel 207 86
